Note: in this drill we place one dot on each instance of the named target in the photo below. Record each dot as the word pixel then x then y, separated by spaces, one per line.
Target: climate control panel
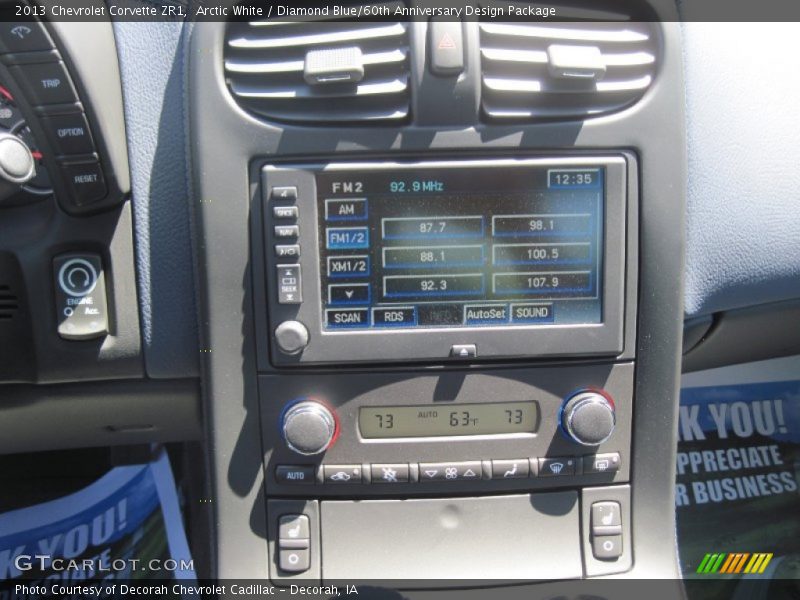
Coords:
pixel 382 433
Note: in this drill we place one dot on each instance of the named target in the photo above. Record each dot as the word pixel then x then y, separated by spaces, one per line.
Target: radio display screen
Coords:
pixel 461 246
pixel 464 419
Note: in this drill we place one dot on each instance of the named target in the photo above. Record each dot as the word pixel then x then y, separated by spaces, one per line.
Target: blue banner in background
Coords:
pixel 125 526
pixel 738 476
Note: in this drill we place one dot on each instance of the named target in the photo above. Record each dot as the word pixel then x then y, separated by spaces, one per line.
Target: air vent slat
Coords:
pixel 377 87
pixel 346 36
pixel 575 34
pixel 564 70
pixel 325 72
pixel 375 58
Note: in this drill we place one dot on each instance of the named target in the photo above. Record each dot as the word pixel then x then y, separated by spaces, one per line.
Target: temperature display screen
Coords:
pixel 461 246
pixel 458 419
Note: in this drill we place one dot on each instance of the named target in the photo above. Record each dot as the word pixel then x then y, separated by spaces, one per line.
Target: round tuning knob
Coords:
pixel 309 427
pixel 588 417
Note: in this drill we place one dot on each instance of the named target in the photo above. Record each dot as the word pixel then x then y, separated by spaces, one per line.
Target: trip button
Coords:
pixel 339 474
pixel 16 36
pixel 86 181
pixel 69 134
pixel 556 467
pixel 46 83
pixel 295 474
pixel 395 473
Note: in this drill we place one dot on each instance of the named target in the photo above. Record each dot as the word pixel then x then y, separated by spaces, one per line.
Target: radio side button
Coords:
pixel 287 250
pixel 289 284
pixel 284 212
pixel 286 193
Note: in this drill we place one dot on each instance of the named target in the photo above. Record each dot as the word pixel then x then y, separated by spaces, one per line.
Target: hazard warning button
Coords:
pixel 446 47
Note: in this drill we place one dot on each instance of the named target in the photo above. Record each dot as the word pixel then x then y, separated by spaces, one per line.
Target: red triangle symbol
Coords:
pixel 447 43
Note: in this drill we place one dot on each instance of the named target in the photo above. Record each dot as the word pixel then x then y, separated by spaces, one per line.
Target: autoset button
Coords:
pixel 485 314
pixel 46 83
pixel 69 134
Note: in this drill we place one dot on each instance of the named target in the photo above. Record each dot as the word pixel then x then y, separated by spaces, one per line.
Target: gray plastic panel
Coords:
pixel 111 413
pixel 523 537
pixel 226 144
pixel 746 335
pixel 445 391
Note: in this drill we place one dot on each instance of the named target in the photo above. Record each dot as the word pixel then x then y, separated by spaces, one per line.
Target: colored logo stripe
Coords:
pixel 734 562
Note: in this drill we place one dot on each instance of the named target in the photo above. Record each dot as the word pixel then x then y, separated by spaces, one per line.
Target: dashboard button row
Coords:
pixel 36 65
pixel 391 473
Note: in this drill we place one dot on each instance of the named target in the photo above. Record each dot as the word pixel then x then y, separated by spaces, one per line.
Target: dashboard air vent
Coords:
pixel 566 70
pixel 8 302
pixel 322 72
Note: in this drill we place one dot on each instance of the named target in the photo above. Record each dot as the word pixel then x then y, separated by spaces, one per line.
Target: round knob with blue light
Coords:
pixel 309 427
pixel 588 417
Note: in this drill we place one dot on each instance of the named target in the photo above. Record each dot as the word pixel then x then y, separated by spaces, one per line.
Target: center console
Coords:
pixel 448 283
pixel 441 352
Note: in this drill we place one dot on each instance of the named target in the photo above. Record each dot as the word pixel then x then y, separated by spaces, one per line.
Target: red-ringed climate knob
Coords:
pixel 588 417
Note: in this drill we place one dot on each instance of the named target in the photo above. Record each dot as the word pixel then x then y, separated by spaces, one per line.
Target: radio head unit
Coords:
pixel 490 258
